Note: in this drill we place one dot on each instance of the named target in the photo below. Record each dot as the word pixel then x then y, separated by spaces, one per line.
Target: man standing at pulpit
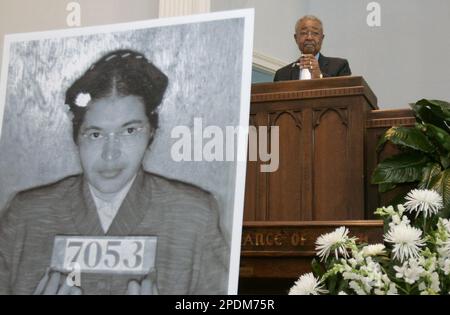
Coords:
pixel 312 64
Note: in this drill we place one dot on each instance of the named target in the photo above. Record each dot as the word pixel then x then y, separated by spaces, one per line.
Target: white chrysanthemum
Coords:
pixel 373 250
pixel 427 202
pixel 83 99
pixel 337 241
pixel 307 285
pixel 407 241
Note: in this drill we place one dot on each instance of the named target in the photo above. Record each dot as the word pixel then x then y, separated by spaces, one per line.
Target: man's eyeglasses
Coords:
pixel 313 34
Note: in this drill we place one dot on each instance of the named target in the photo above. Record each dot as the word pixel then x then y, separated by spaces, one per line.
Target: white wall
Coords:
pixel 17 16
pixel 274 24
pixel 403 60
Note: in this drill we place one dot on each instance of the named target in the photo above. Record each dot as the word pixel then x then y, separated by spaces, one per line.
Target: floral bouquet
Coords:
pixel 415 258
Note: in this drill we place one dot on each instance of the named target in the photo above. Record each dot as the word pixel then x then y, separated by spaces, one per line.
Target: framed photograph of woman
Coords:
pixel 123 155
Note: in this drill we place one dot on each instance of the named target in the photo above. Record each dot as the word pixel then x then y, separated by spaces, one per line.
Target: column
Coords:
pixel 169 8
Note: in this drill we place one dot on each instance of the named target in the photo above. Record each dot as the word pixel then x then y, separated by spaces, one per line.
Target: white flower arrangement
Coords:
pixel 415 258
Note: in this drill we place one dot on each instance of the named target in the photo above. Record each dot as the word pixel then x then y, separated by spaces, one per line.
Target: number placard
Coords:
pixel 111 255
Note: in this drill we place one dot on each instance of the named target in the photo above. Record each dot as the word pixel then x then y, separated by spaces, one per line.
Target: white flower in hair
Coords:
pixel 83 99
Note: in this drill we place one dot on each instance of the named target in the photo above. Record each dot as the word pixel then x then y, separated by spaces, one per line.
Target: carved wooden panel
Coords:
pixel 285 187
pixel 331 164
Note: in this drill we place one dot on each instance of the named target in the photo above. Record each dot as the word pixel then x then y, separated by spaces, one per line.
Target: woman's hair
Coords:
pixel 122 73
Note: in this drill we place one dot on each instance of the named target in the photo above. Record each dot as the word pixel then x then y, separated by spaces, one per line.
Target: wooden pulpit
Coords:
pixel 321 150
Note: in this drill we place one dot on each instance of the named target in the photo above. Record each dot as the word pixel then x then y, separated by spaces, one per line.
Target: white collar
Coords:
pixel 108 209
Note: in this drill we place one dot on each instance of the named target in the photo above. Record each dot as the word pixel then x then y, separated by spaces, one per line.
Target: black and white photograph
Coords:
pixel 123 157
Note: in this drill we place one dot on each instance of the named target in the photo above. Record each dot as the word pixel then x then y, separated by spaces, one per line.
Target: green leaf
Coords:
pixel 433 112
pixel 332 282
pixel 441 184
pixel 343 286
pixel 441 136
pixel 408 137
pixel 437 105
pixel 445 161
pixel 385 187
pixel 428 173
pixel 445 212
pixel 317 268
pixel 402 168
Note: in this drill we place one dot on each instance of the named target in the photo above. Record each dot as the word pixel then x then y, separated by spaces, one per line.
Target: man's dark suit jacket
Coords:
pixel 330 67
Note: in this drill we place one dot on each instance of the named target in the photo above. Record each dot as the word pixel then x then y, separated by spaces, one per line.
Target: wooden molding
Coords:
pixel 307 94
pixel 387 123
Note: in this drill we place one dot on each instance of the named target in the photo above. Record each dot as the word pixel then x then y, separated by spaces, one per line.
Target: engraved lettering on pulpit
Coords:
pixel 297 239
pixel 248 241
